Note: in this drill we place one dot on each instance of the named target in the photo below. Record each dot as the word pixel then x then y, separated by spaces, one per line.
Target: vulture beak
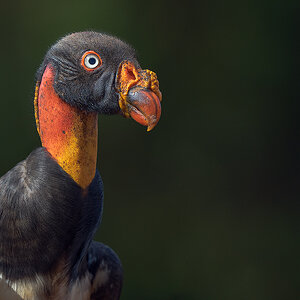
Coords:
pixel 139 92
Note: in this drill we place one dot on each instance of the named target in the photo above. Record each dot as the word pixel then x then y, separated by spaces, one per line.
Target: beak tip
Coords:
pixel 152 124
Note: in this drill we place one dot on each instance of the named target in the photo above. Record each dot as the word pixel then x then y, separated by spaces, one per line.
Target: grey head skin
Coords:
pixel 84 89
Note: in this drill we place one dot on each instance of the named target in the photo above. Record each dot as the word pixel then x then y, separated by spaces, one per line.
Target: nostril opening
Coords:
pixel 127 76
pixel 130 74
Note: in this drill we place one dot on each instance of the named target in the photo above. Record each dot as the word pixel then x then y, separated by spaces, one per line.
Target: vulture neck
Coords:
pixel 69 134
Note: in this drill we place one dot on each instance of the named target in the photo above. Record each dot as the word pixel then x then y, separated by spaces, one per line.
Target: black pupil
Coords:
pixel 92 61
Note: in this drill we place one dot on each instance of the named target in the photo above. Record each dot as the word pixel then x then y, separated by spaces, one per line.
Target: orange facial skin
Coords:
pixel 140 96
pixel 69 134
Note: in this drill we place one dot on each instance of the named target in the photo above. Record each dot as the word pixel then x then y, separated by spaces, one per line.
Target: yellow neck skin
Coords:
pixel 69 134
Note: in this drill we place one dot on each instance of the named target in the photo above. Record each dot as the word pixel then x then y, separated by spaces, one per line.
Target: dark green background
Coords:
pixel 207 205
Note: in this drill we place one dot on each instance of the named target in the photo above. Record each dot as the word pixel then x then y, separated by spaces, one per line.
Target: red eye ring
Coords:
pixel 91 60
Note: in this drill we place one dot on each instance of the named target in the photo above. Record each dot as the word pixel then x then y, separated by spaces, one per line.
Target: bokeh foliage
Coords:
pixel 207 205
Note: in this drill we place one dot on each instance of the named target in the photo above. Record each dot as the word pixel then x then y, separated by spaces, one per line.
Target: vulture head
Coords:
pixel 95 72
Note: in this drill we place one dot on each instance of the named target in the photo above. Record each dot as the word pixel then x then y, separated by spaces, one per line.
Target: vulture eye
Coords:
pixel 91 60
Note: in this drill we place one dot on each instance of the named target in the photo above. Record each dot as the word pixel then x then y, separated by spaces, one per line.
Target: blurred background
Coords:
pixel 206 206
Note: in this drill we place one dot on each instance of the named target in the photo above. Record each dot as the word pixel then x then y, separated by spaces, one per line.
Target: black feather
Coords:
pixel 102 258
pixel 42 213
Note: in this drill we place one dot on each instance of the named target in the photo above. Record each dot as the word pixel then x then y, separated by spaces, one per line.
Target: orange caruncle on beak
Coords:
pixel 140 96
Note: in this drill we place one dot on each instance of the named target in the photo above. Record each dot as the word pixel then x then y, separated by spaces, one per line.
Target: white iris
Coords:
pixel 91 61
